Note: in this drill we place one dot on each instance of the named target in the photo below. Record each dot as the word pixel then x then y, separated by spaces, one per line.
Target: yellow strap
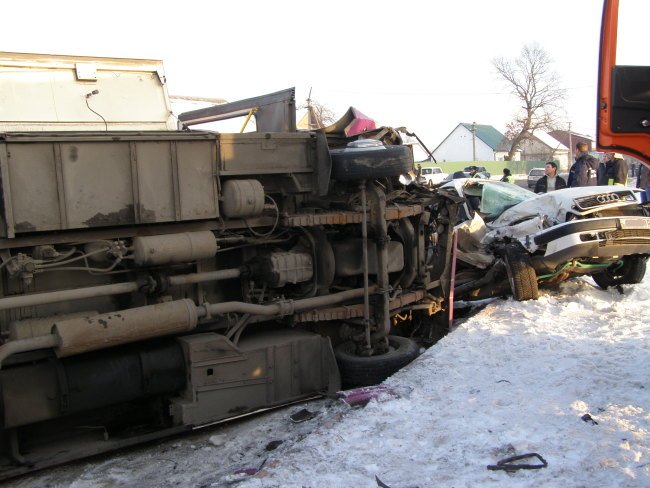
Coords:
pixel 248 117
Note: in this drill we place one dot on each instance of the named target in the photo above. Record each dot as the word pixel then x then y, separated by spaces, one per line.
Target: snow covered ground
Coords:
pixel 566 376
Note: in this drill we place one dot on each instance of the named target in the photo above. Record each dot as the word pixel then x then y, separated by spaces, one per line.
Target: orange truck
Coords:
pixel 623 92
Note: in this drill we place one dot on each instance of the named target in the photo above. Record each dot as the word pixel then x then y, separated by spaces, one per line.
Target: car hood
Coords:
pixel 554 205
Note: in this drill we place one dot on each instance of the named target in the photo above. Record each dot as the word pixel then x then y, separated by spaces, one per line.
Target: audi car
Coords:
pixel 512 241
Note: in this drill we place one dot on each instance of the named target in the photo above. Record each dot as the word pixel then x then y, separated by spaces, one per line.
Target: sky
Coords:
pixel 423 65
pixel 564 376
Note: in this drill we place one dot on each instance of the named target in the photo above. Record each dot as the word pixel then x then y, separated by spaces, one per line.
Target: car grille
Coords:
pixel 591 201
pixel 620 237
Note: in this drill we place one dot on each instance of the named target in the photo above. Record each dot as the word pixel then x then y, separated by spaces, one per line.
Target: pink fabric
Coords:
pixel 360 123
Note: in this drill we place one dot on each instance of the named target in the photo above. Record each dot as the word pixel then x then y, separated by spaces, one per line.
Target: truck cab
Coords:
pixel 624 81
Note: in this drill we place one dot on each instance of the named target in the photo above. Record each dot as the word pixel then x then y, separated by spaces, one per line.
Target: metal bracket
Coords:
pixel 287 307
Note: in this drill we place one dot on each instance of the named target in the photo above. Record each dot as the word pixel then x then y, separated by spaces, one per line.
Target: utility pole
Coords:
pixel 570 161
pixel 473 141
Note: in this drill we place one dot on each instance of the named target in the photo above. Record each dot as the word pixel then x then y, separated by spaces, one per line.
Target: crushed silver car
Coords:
pixel 510 240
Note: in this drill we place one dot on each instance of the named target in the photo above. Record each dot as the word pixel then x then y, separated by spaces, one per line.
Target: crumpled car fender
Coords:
pixel 522 232
pixel 470 248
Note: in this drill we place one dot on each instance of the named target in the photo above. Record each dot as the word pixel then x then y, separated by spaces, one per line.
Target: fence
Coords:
pixel 494 167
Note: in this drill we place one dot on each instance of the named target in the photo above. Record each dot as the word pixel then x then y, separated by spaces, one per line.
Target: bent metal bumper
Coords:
pixel 606 237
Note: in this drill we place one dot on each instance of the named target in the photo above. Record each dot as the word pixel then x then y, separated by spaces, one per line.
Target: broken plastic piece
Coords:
pixel 380 483
pixel 361 396
pixel 302 415
pixel 271 446
pixel 589 419
pixel 505 464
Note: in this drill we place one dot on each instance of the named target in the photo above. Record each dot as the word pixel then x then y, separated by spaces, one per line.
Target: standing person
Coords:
pixel 601 177
pixel 473 172
pixel 615 170
pixel 507 177
pixel 551 180
pixel 584 170
pixel 643 180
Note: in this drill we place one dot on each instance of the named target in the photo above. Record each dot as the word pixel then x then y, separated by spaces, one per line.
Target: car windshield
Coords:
pixel 536 172
pixel 496 197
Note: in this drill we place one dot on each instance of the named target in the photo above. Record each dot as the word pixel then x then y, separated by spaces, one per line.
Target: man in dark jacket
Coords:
pixel 643 180
pixel 615 171
pixel 550 181
pixel 584 170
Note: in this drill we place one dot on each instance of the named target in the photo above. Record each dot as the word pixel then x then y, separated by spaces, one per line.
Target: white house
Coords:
pixel 473 142
pixel 543 147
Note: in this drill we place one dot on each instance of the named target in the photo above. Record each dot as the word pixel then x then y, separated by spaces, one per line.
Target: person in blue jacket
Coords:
pixel 585 170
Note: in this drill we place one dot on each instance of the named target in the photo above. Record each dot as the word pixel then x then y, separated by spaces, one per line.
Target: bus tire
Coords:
pixel 359 371
pixel 361 164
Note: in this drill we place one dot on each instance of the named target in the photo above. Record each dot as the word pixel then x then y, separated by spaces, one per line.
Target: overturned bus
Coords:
pixel 157 278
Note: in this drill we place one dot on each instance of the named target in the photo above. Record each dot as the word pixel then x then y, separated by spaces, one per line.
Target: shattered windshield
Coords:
pixel 496 197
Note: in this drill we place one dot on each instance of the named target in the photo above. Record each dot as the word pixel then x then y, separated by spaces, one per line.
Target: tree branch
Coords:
pixel 531 79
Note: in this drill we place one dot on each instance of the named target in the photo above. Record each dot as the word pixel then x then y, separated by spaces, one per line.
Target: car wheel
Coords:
pixel 373 163
pixel 521 274
pixel 371 370
pixel 630 272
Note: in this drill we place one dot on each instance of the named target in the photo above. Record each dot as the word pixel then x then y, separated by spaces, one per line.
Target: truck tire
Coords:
pixel 366 371
pixel 360 164
pixel 630 272
pixel 521 274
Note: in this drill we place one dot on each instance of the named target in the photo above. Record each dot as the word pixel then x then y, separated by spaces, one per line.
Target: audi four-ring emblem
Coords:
pixel 607 198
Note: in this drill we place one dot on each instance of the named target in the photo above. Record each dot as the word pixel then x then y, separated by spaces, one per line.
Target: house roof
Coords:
pixel 563 137
pixel 550 141
pixel 490 136
pixel 309 121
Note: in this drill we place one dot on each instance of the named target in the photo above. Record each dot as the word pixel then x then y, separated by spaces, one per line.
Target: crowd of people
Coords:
pixel 614 170
pixel 587 171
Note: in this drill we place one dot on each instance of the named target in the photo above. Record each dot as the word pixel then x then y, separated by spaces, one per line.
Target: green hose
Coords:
pixel 579 265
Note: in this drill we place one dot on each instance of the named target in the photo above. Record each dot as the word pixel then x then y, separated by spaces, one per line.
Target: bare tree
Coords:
pixel 531 79
pixel 323 114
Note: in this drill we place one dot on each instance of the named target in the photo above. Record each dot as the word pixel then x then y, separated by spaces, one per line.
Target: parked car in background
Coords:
pixel 432 175
pixel 534 175
pixel 482 171
pixel 511 240
pixel 456 175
